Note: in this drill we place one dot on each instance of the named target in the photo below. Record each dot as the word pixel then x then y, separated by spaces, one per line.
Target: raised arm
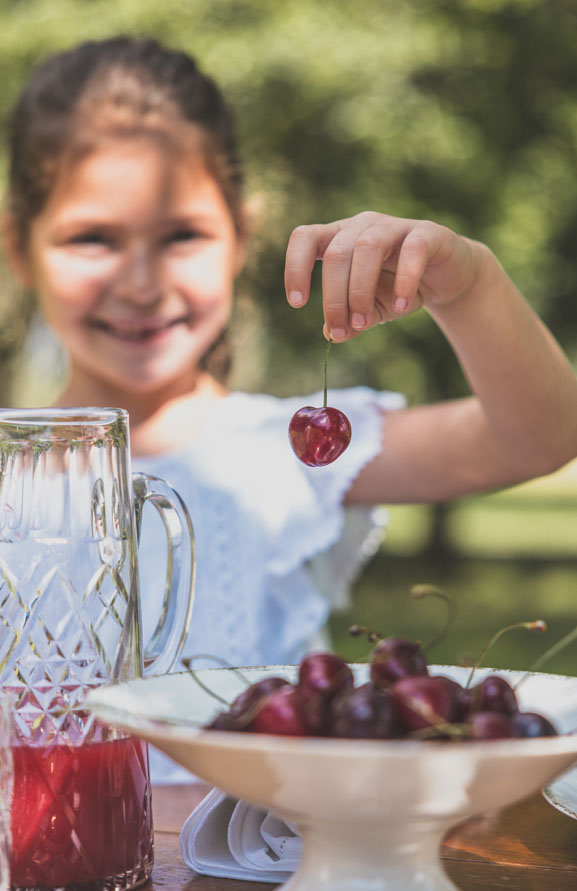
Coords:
pixel 521 420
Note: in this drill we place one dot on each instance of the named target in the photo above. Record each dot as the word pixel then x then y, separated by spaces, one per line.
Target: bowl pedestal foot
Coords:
pixel 371 857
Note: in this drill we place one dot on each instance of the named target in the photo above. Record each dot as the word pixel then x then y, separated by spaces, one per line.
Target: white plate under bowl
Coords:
pixel 562 793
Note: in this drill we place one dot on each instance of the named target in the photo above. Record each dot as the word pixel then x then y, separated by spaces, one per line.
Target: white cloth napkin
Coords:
pixel 236 840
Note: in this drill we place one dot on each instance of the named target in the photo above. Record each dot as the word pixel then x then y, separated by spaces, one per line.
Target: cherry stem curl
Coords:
pixel 420 591
pixel 187 662
pixel 538 625
pixel 552 651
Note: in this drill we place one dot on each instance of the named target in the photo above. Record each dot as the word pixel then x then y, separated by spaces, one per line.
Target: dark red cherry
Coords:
pixel 322 676
pixel 282 713
pixel 325 674
pixel 494 694
pixel 225 721
pixel 315 710
pixel 460 696
pixel 363 712
pixel 394 658
pixel 490 725
pixel 422 702
pixel 246 704
pixel 531 725
pixel 319 435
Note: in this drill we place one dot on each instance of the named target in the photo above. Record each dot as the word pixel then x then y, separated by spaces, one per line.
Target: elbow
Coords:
pixel 549 459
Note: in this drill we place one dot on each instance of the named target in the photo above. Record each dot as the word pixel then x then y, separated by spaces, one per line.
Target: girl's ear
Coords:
pixel 15 251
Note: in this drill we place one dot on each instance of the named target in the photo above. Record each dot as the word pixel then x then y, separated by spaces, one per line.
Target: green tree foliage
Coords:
pixel 464 111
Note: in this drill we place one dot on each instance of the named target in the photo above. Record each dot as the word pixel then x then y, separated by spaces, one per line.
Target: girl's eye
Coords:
pixel 179 236
pixel 91 238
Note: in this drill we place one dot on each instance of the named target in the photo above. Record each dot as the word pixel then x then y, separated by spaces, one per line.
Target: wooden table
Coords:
pixel 528 847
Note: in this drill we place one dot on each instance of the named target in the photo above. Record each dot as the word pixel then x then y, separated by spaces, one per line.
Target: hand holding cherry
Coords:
pixel 319 435
pixel 377 267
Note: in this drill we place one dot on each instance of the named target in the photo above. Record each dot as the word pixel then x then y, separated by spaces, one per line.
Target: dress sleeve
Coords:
pixel 333 540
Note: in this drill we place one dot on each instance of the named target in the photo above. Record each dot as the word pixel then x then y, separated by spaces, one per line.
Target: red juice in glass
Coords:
pixel 81 814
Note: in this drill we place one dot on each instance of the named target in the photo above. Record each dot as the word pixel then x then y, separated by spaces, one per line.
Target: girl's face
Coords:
pixel 133 259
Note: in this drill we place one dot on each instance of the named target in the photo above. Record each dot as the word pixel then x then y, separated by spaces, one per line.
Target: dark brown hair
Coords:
pixel 120 86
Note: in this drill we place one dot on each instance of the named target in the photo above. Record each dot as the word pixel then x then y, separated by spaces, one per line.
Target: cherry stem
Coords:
pixel 187 664
pixel 548 654
pixel 538 625
pixel 436 723
pixel 325 364
pixel 420 591
pixel 441 728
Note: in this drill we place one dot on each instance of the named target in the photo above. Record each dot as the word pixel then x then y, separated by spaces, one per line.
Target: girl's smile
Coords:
pixel 134 258
pixel 145 331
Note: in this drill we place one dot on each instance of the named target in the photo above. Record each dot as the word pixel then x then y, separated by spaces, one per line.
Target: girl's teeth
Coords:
pixel 139 335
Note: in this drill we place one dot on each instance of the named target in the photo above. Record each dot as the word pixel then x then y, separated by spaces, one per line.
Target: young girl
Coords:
pixel 125 216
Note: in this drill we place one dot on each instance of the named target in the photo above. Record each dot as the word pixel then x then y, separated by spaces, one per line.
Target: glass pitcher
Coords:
pixel 6 780
pixel 70 513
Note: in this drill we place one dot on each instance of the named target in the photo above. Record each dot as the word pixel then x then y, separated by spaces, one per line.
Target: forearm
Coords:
pixel 525 384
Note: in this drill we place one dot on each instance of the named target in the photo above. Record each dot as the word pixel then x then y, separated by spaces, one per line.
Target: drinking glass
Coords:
pixel 70 512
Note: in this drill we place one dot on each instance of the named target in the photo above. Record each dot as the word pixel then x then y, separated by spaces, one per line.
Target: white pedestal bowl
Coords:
pixel 371 814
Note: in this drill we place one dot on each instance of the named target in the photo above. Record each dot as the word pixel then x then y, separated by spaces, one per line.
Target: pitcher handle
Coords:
pixel 167 641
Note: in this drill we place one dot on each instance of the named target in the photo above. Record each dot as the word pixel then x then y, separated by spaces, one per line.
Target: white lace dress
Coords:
pixel 276 550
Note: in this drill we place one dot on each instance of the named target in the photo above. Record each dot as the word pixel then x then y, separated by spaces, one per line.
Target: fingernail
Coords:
pixel 358 321
pixel 338 333
pixel 296 298
pixel 400 304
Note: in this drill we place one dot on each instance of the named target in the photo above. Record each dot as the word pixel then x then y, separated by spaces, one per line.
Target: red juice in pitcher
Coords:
pixel 81 814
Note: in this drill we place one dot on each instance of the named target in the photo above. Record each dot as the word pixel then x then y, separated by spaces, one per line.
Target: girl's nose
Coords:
pixel 138 279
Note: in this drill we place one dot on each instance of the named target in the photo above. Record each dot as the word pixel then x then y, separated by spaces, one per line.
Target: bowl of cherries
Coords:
pixel 371 762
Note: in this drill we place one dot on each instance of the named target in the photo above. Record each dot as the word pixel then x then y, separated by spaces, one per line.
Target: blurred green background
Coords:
pixel 464 111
